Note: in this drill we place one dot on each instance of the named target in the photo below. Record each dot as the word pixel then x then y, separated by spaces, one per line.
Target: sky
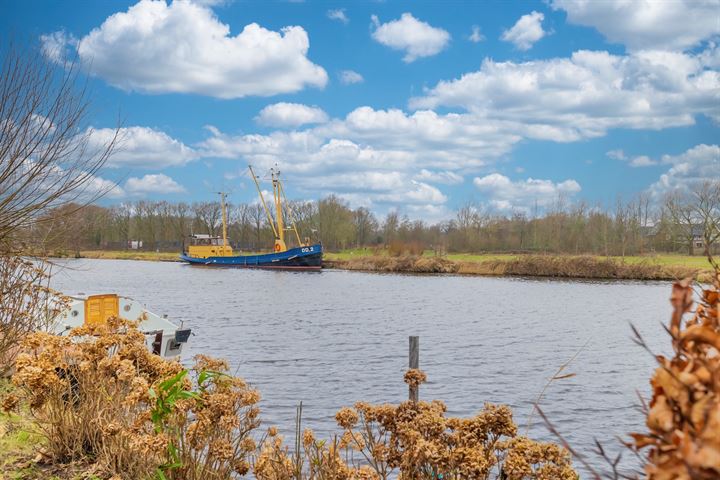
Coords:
pixel 419 107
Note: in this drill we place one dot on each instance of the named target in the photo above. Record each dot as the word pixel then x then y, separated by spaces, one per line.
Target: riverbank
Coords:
pixel 558 266
pixel 656 267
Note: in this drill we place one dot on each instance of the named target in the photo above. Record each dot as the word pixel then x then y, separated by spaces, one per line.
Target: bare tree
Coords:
pixel 46 157
pixel 258 217
pixel 696 214
pixel 180 219
pixel 365 225
pixel 707 205
pixel 207 215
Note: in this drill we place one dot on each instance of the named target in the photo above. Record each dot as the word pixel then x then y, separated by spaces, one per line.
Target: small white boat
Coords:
pixel 162 337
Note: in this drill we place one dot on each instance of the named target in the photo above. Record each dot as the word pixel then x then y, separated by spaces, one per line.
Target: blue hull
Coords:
pixel 300 258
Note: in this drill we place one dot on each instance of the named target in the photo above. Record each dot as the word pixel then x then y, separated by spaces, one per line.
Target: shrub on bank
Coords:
pixel 99 395
pixel 683 415
pixel 416 441
pixel 589 267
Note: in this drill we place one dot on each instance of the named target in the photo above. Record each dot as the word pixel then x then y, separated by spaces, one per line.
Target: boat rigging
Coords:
pixel 205 249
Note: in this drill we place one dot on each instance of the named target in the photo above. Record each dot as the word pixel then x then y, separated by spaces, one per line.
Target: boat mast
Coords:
pixel 280 242
pixel 224 219
pixel 262 200
pixel 292 215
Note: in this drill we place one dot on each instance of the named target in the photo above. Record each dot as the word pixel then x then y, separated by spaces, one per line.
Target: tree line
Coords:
pixel 638 226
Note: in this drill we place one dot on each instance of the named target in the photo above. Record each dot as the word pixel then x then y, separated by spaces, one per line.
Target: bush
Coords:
pixel 99 394
pixel 683 416
pixel 416 441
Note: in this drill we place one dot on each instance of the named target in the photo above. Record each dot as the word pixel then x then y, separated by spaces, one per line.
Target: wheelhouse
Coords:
pixel 202 245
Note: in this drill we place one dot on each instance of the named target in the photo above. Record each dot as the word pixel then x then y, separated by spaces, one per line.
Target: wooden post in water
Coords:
pixel 414 363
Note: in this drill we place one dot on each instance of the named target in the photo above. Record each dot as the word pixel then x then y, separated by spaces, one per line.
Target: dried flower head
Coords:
pixel 415 377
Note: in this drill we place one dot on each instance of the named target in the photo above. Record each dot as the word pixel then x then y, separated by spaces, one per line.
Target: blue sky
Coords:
pixel 416 106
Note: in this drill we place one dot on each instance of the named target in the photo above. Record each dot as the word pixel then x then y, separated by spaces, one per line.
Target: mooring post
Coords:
pixel 414 357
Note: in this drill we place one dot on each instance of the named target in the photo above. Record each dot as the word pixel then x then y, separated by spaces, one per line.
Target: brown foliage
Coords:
pixel 405 264
pixel 396 248
pixel 99 393
pixel 417 440
pixel 588 267
pixel 683 418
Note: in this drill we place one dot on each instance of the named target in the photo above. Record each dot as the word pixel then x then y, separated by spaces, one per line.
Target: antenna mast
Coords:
pixel 262 199
pixel 278 206
pixel 224 219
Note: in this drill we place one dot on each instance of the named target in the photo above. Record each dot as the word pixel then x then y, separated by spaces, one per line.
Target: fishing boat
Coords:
pixel 214 251
pixel 162 337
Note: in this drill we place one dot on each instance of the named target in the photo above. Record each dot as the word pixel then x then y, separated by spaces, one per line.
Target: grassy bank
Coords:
pixel 651 267
pixel 561 266
pixel 131 255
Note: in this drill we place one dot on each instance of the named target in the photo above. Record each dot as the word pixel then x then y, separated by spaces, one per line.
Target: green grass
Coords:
pixel 668 259
pixel 19 440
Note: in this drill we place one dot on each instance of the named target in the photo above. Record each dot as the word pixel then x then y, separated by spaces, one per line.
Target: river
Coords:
pixel 332 338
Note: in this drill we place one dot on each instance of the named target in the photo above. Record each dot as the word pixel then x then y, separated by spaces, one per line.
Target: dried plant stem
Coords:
pixel 556 376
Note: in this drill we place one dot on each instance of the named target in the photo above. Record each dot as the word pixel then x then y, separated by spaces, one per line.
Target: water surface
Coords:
pixel 330 339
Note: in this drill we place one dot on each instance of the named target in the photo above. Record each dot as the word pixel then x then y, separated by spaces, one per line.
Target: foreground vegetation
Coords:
pixel 110 406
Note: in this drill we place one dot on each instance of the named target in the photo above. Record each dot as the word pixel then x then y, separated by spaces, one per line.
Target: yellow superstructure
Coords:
pixel 98 308
pixel 204 246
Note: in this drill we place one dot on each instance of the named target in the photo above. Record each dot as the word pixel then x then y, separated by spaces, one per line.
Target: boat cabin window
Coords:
pixel 206 240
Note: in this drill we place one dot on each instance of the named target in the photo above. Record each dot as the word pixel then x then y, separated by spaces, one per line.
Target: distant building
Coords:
pixel 134 244
pixel 698 240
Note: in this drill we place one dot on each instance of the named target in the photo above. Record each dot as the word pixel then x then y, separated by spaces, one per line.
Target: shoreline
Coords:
pixel 490 265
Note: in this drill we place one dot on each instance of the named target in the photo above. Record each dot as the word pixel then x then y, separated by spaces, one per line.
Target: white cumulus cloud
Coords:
pixel 617 154
pixel 567 99
pixel 349 77
pixel 647 24
pixel 505 194
pixel 476 36
pixel 182 47
pixel 638 161
pixel 642 161
pixel 417 38
pixel 152 183
pixel 379 158
pixel 696 165
pixel 141 147
pixel 445 177
pixel 339 15
pixel 526 31
pixel 290 115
